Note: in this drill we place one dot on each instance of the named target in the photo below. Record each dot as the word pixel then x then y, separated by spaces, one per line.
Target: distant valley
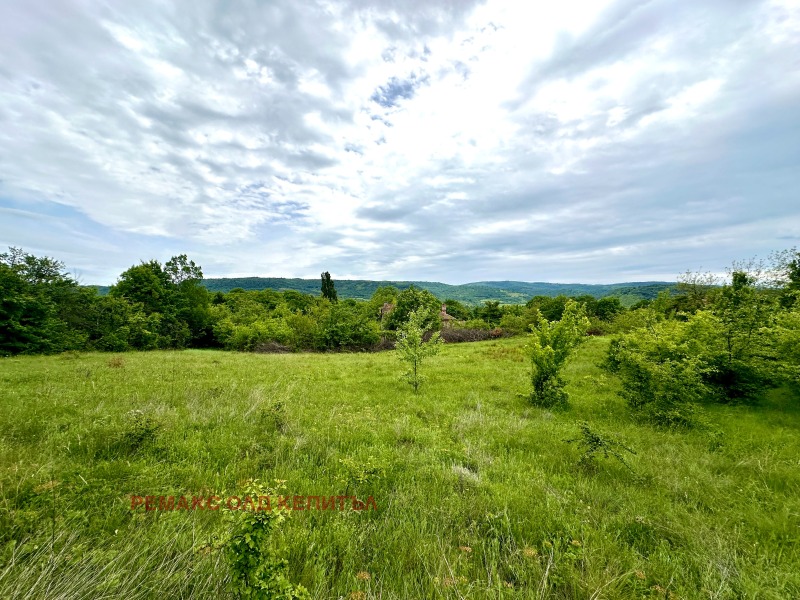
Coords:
pixel 505 292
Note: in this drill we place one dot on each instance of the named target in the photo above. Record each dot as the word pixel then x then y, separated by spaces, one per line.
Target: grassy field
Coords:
pixel 478 494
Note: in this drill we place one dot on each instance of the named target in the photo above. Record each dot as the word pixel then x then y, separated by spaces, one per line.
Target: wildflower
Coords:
pixel 363 576
pixel 466 549
pixel 358 596
pixel 576 543
pixel 640 575
pixel 530 552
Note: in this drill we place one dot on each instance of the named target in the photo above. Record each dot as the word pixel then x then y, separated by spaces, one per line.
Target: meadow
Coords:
pixel 478 493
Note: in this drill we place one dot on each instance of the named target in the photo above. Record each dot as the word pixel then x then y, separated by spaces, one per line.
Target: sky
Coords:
pixel 441 140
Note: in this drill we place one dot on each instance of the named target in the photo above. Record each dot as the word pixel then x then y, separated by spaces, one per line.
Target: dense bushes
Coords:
pixel 661 373
pixel 415 299
pixel 37 302
pixel 730 344
pixel 787 344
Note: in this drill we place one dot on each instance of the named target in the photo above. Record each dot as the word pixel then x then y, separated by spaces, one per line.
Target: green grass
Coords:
pixel 478 494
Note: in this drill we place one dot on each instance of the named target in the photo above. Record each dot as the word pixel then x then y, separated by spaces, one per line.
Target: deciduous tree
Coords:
pixel 412 348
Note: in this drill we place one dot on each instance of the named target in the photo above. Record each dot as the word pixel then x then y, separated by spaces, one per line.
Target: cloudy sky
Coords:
pixel 445 140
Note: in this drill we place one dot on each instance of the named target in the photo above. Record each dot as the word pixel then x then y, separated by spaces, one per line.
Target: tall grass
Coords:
pixel 478 494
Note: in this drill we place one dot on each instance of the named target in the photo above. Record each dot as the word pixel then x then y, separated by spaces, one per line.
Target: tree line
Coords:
pixel 163 306
pixel 44 310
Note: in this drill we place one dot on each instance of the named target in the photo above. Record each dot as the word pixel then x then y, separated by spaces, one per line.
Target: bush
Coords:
pixel 138 433
pixel 348 328
pixel 514 324
pixel 305 330
pixel 738 341
pixel 387 343
pixel 630 320
pixel 661 372
pixel 415 299
pixel 477 324
pixel 738 381
pixel 597 327
pixel 787 343
pixel 271 348
pixel 551 344
pixel 258 570
pixel 255 335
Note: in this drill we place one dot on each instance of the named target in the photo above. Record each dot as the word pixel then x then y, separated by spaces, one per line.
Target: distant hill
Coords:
pixel 505 292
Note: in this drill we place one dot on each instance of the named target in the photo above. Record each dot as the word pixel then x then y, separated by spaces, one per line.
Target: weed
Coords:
pixel 258 569
pixel 273 418
pixel 357 473
pixel 715 440
pixel 141 429
pixel 593 443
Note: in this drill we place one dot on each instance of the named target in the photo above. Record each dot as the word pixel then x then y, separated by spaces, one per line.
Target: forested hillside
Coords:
pixel 505 292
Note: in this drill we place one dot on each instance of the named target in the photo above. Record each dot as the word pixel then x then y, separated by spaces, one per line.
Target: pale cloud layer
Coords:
pixel 404 139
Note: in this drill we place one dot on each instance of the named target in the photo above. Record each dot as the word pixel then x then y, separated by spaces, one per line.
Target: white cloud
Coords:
pixel 426 140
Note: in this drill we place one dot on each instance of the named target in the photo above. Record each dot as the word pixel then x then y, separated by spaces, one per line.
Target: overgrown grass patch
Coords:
pixel 478 493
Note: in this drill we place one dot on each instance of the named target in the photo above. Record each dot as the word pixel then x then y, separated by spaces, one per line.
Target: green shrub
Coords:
pixel 513 324
pixel 738 339
pixel 631 320
pixel 661 373
pixel 598 326
pixel 550 346
pixel 249 337
pixel 139 432
pixel 305 331
pixel 787 343
pixel 415 299
pixel 593 443
pixel 476 324
pixel 258 570
pixel 347 327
